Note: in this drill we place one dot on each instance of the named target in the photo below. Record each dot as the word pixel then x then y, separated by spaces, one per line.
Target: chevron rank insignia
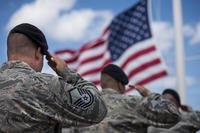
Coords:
pixel 81 98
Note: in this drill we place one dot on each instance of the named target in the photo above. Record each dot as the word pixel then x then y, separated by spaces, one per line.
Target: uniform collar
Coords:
pixel 15 64
pixel 110 91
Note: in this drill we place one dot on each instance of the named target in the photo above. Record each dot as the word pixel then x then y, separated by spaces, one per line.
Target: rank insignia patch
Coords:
pixel 81 98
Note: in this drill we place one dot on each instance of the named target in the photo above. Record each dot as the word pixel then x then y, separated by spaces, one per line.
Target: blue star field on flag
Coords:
pixel 128 28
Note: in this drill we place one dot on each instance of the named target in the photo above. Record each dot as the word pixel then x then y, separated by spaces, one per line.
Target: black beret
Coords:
pixel 116 72
pixel 173 93
pixel 33 33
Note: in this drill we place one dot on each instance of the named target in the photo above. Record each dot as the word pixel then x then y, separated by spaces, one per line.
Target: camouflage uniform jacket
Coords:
pixel 189 123
pixel 133 114
pixel 35 102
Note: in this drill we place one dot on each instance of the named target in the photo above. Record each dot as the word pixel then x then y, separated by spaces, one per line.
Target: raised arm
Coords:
pixel 158 111
pixel 82 103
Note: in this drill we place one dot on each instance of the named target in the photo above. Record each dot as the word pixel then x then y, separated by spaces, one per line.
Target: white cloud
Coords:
pixel 193 32
pixel 164 35
pixel 188 30
pixel 59 21
pixel 170 82
pixel 196 37
pixel 40 12
pixel 78 24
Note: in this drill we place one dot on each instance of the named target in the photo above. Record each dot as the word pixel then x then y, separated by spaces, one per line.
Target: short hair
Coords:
pixel 173 93
pixel 19 44
pixel 116 73
pixel 33 33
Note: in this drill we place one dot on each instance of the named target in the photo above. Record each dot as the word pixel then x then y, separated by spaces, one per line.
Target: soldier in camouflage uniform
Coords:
pixel 130 113
pixel 31 101
pixel 190 120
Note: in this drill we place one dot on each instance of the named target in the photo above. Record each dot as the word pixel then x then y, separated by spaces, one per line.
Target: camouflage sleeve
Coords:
pixel 158 111
pixel 80 101
pixel 189 123
pixel 194 119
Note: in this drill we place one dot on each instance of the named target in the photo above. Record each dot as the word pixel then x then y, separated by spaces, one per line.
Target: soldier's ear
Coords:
pixel 121 87
pixel 38 53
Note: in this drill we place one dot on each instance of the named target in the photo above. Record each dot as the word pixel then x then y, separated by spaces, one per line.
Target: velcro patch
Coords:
pixel 81 98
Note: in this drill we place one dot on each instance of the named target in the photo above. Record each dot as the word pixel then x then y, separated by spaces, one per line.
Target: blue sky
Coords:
pixel 71 23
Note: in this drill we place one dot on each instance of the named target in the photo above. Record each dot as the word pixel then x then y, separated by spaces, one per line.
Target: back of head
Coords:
pixel 19 46
pixel 112 74
pixel 24 35
pixel 27 43
pixel 107 81
pixel 173 96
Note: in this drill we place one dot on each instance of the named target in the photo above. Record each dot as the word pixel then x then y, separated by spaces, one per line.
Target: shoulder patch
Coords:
pixel 81 98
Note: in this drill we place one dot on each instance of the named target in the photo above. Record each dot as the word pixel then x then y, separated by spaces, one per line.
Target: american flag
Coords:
pixel 127 42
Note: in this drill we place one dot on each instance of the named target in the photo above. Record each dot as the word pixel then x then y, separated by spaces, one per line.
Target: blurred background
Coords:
pixel 71 23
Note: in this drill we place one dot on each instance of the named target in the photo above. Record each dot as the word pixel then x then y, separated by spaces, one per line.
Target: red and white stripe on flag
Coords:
pixel 141 62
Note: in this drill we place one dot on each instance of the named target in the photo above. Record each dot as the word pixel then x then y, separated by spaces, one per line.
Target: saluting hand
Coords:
pixel 56 63
pixel 142 90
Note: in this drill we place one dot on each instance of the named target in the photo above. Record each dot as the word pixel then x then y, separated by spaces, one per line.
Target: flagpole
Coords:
pixel 179 49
